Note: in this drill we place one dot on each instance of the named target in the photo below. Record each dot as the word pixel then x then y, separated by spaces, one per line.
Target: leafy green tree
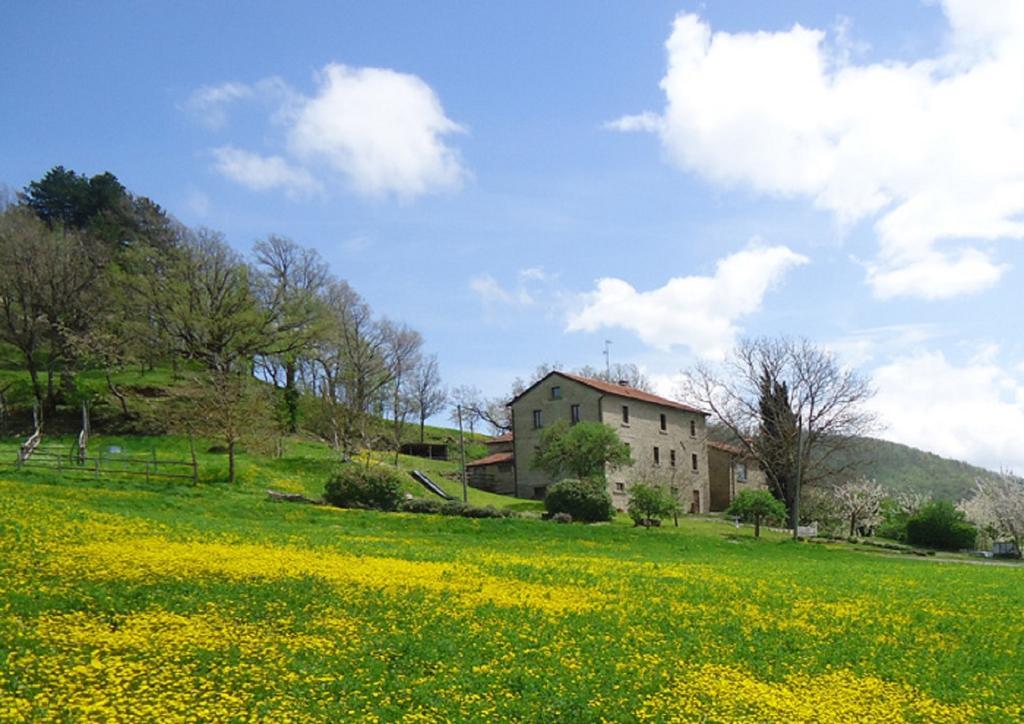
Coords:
pixel 584 450
pixel 940 525
pixel 50 286
pixel 753 506
pixel 650 502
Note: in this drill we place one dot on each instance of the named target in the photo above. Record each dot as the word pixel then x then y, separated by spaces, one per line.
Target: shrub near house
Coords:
pixel 585 500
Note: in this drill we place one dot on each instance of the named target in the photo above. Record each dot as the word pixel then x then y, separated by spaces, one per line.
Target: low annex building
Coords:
pixel 667 439
pixel 494 473
pixel 731 470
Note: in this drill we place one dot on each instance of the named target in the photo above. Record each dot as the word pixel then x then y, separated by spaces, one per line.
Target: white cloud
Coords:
pixel 696 312
pixel 646 121
pixel 933 151
pixel 261 173
pixel 209 103
pixel 863 346
pixel 973 412
pixel 381 131
pixel 491 292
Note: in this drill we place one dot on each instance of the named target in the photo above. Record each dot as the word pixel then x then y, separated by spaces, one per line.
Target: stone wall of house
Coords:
pixel 685 434
pixel 526 436
pixel 726 471
pixel 494 478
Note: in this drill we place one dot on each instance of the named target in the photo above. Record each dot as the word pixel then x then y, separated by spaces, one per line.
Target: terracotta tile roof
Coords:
pixel 726 447
pixel 610 388
pixel 507 437
pixel 502 457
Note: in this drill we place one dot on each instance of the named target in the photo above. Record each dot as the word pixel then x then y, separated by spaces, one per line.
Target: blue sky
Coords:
pixel 521 181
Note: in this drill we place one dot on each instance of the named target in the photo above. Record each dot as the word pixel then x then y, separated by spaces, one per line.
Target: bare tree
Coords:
pixel 469 401
pixel 292 280
pixel 229 407
pixel 860 502
pixel 792 407
pixel 426 392
pixel 997 507
pixel 353 362
pixel 619 372
pixel 402 349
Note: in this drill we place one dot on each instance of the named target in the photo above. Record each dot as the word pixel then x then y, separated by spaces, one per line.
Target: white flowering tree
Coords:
pixel 860 502
pixel 997 507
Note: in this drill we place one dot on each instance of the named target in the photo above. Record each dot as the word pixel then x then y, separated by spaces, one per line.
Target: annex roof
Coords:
pixel 726 447
pixel 610 388
pixel 505 437
pixel 502 457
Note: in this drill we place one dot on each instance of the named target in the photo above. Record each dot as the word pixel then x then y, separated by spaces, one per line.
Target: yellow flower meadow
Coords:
pixel 121 604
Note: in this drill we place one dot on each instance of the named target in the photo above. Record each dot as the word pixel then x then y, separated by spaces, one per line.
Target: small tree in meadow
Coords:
pixel 581 451
pixel 753 506
pixel 861 503
pixel 648 502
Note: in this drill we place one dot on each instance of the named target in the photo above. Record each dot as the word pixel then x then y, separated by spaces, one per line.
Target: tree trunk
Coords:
pixel 757 526
pixel 291 397
pixel 33 374
pixel 423 422
pixel 117 393
pixel 231 461
pixel 853 524
pixel 51 400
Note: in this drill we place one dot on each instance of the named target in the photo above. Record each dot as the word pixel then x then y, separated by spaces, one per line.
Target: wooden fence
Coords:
pixel 77 463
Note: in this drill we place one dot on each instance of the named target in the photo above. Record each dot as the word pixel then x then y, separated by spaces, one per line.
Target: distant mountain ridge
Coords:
pixel 900 467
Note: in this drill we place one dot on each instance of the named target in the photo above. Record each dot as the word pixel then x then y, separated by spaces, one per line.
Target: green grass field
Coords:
pixel 163 602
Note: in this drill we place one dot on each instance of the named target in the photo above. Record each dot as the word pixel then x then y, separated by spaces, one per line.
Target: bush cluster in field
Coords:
pixel 380 488
pixel 453 507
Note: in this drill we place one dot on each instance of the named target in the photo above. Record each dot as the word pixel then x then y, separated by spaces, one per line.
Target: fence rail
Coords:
pixel 68 462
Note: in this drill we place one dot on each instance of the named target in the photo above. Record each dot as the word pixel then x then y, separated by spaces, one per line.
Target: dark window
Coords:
pixel 664 422
pixel 625 413
pixel 741 472
pixel 693 460
pixel 537 421
pixel 556 393
pixel 674 491
pixel 672 458
pixel 620 487
pixel 693 428
pixel 574 413
pixel 657 456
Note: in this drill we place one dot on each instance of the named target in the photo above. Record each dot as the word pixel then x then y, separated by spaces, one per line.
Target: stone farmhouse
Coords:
pixel 667 439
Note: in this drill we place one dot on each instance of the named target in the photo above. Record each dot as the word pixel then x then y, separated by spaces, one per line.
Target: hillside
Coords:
pixel 901 467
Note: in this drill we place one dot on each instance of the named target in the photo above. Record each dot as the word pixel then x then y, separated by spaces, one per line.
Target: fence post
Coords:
pixel 195 468
pixel 147 472
pixel 96 468
pixel 152 453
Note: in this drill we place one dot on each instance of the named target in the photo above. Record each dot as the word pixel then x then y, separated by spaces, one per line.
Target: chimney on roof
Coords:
pixel 623 383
